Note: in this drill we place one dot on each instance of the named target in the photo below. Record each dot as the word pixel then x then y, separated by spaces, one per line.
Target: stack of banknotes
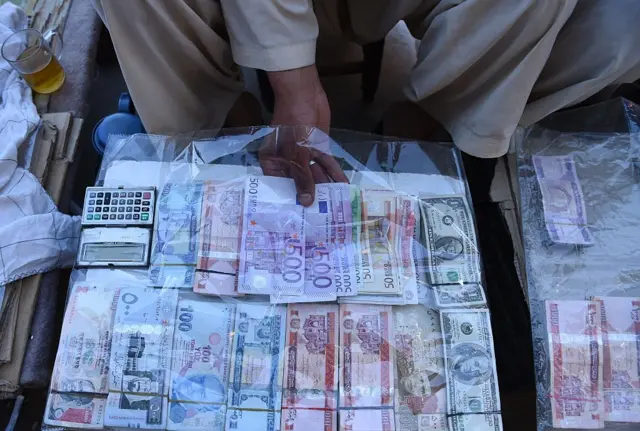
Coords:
pixel 594 362
pixel 132 356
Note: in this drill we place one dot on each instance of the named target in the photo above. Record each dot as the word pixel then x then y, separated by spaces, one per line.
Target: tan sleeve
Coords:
pixel 272 35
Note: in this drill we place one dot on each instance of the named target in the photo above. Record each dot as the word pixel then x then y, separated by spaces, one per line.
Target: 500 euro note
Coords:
pixel 575 350
pixel 621 358
pixel 366 357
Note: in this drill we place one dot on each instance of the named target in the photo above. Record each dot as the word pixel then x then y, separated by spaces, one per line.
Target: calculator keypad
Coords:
pixel 119 207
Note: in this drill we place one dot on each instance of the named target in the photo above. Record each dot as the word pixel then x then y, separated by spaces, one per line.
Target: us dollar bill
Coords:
pixel 306 420
pixel 450 240
pixel 82 361
pixel 196 417
pixel 255 380
pixel 252 420
pixel 201 352
pixel 460 295
pixel 136 411
pixel 142 340
pixel 473 422
pixel 272 255
pixel 75 410
pixel 472 381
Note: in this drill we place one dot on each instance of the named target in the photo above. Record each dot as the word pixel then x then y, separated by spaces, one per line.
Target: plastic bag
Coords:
pixel 364 311
pixel 580 204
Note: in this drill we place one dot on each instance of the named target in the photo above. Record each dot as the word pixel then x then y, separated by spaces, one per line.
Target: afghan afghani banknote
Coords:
pixel 621 357
pixel 216 284
pixel 459 295
pixel 472 381
pixel 420 374
pixel 450 240
pixel 366 356
pixel 201 351
pixel 196 417
pixel 171 276
pixel 366 420
pixel 255 380
pixel 320 270
pixel 575 350
pixel 75 410
pixel 562 200
pixel 311 357
pixel 272 255
pixel 142 340
pixel 252 420
pixel 344 250
pixel 309 420
pixel 221 227
pixel 380 263
pixel 473 422
pixel 82 362
pixel 136 411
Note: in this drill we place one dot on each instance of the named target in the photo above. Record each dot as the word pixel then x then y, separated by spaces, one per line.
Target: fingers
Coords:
pixel 305 184
pixel 319 174
pixel 331 167
pixel 273 166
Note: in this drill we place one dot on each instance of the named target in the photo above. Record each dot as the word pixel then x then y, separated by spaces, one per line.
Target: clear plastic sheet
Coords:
pixel 364 311
pixel 580 194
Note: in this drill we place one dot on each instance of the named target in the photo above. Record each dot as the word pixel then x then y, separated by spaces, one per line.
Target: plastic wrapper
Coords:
pixel 580 196
pixel 363 311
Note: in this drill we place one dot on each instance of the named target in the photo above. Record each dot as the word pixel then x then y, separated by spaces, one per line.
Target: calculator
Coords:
pixel 104 206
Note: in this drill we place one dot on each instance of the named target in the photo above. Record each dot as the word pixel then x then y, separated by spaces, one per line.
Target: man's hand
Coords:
pixel 300 101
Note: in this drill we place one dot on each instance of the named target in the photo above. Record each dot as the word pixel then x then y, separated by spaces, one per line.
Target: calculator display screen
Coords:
pixel 97 252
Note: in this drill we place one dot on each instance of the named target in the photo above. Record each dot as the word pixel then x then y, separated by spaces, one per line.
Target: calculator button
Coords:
pixel 137 209
pixel 98 209
pixel 120 216
pixel 128 216
pixel 99 202
pixel 115 194
pixel 114 209
pixel 121 209
pixel 100 194
pixel 129 201
pixel 92 202
pixel 90 210
pixel 105 217
pixel 112 216
pixel 130 194
pixel 107 195
pixel 147 203
pixel 107 200
pixel 145 209
pixel 147 195
pixel 92 195
pixel 90 216
pixel 129 209
pixel 136 216
pixel 138 195
pixel 138 201
pixel 105 209
pixel 123 202
pixel 145 217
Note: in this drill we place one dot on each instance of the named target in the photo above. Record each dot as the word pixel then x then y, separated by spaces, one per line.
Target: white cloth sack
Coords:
pixel 34 236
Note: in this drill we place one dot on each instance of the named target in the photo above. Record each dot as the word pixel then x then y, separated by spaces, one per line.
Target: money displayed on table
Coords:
pixel 472 381
pixel 420 374
pixel 407 231
pixel 309 420
pixel 252 420
pixel 255 380
pixel 171 276
pixel 306 298
pixel 201 351
pixel 562 200
pixel 474 422
pixel 621 357
pixel 450 237
pixel 575 350
pixel 74 410
pixel 82 361
pixel 320 274
pixel 196 417
pixel 366 420
pixel 380 272
pixel 459 295
pixel 221 227
pixel 311 357
pixel 216 284
pixel 346 272
pixel 366 358
pixel 177 223
pixel 356 230
pixel 272 255
pixel 136 411
pixel 142 340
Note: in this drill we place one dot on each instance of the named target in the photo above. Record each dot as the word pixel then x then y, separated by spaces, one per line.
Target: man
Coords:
pixel 483 65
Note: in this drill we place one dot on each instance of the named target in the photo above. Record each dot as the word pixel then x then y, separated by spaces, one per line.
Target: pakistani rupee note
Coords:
pixel 136 411
pixel 201 351
pixel 272 255
pixel 221 227
pixel 575 349
pixel 459 295
pixel 255 380
pixel 308 420
pixel 450 240
pixel 82 362
pixel 470 368
pixel 311 357
pixel 366 420
pixel 621 358
pixel 216 284
pixel 473 422
pixel 366 357
pixel 74 410
pixel 142 341
pixel 252 420
pixel 420 373
pixel 196 417
pixel 562 200
pixel 171 276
